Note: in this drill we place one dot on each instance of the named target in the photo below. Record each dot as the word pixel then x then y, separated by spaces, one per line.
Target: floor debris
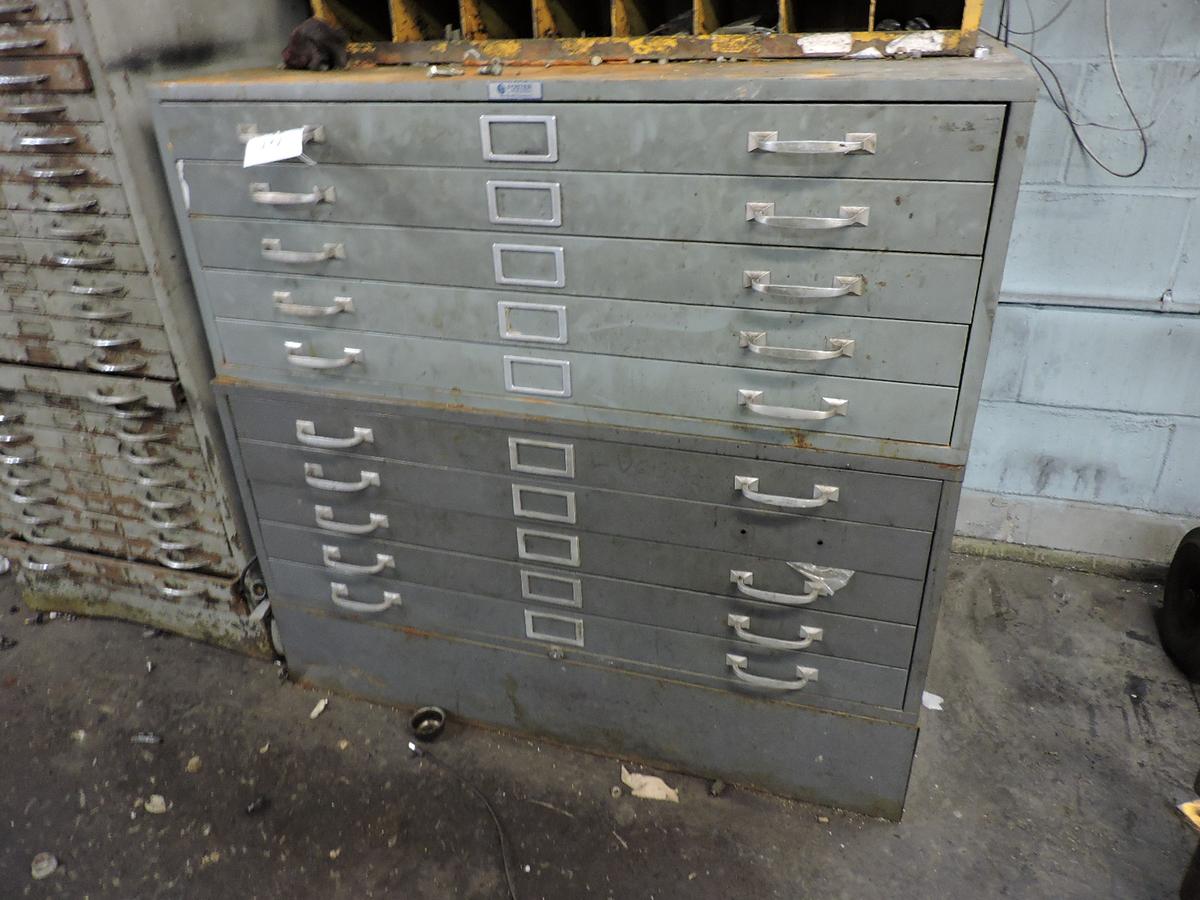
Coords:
pixel 156 805
pixel 194 765
pixel 6 643
pixel 257 805
pixel 146 737
pixel 648 787
pixel 43 865
pixel 319 708
pixel 717 788
pixel 932 701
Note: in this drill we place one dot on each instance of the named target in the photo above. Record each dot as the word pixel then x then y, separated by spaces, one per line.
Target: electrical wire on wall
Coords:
pixel 1005 31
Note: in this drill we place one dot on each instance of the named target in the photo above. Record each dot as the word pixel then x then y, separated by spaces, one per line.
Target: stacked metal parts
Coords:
pixel 109 501
pixel 634 415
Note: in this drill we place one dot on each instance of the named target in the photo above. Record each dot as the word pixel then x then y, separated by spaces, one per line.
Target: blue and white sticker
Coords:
pixel 514 90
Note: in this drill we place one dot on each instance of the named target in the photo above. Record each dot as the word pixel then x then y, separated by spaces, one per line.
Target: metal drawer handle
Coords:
pixel 749 399
pixel 848 216
pixel 144 460
pixel 9 9
pixel 37 109
pixel 164 541
pixel 760 283
pixel 12 418
pixel 756 342
pixel 22 80
pixel 98 362
pixel 822 494
pixel 92 290
pixel 15 438
pixel 143 480
pixel 42 568
pixel 804 675
pixel 741 627
pixel 296 357
pixel 109 343
pixel 103 399
pixel 743 581
pixel 82 262
pixel 10 458
pixel 135 413
pixel 95 232
pixel 44 140
pixel 74 207
pixel 171 524
pixel 306 433
pixel 324 516
pixel 22 44
pixel 768 142
pixel 138 437
pixel 18 496
pixel 314 477
pixel 173 560
pixel 55 174
pixel 173 592
pixel 261 192
pixel 151 500
pixel 332 557
pixel 48 516
pixel 87 311
pixel 272 251
pixel 282 305
pixel 15 481
pixel 340 595
pixel 34 535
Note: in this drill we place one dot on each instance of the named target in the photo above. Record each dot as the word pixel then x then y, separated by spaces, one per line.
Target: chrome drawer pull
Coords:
pixel 109 343
pixel 172 592
pixel 743 581
pixel 99 363
pixel 163 541
pixel 22 80
pixel 262 193
pixel 81 262
pixel 22 44
pixel 149 481
pixel 756 342
pixel 10 458
pixel 147 460
pixel 55 174
pixel 760 283
pixel 134 413
pixel 172 560
pixel 74 207
pixel 12 418
pixel 22 499
pixel 47 140
pixel 16 438
pixel 151 500
pixel 749 399
pixel 340 595
pixel 87 311
pixel 848 216
pixel 804 675
pixel 37 109
pixel 282 305
pixel 768 142
pixel 138 437
pixel 34 535
pixel 42 568
pixel 78 234
pixel 295 357
pixel 741 627
pixel 324 517
pixel 10 9
pixel 314 477
pixel 171 524
pixel 312 133
pixel 91 290
pixel 41 517
pixel 272 251
pixel 332 557
pixel 28 481
pixel 822 494
pixel 103 399
pixel 306 433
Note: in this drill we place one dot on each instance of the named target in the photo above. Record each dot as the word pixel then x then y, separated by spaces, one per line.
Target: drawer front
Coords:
pixel 60 199
pixel 99 334
pixel 24 439
pixel 39 11
pixel 126 472
pixel 921 216
pixel 72 255
pixel 22 410
pixel 48 74
pixel 356 491
pixel 687 654
pixel 907 286
pixel 86 358
pixel 866 597
pixel 89 229
pixel 414 368
pixel 107 392
pixel 630 558
pixel 288 420
pixel 892 350
pixel 83 283
pixel 62 108
pixel 50 139
pixel 934 141
pixel 51 168
pixel 57 39
pixel 108 310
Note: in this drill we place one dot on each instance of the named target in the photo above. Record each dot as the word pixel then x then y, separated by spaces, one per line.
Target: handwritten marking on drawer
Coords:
pixel 274 147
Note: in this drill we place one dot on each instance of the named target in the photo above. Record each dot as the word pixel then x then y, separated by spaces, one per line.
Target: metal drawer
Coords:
pixel 684 654
pixel 900 553
pixel 64 198
pixel 85 357
pixel 89 229
pixel 355 491
pixel 922 216
pixel 31 107
pixel 21 409
pixel 53 138
pixel 57 169
pixel 934 141
pixel 114 335
pixel 30 39
pixel 122 500
pixel 73 255
pixel 892 350
pixel 105 391
pixel 114 474
pixel 63 73
pixel 90 285
pixel 130 310
pixel 528 453
pixel 37 11
pixel 420 369
pixel 31 438
pixel 926 287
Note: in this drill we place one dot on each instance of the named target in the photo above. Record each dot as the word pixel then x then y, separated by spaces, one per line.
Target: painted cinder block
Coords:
pixel 1178 489
pixel 1006 353
pixel 1141 28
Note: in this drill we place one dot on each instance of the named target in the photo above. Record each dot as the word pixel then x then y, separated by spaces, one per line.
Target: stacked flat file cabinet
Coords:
pixel 632 415
pixel 110 497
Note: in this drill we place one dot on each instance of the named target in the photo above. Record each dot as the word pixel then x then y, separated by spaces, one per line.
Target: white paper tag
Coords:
pixel 269 148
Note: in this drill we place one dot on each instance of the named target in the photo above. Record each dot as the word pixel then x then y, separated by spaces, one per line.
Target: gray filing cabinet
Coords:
pixel 634 416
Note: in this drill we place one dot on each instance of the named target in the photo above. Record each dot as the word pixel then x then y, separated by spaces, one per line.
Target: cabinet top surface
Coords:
pixel 999 77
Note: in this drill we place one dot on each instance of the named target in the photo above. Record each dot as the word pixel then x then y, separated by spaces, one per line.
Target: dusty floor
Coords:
pixel 1052 772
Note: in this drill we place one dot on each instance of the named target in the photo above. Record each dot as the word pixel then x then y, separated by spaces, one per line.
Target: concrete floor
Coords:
pixel 1052 772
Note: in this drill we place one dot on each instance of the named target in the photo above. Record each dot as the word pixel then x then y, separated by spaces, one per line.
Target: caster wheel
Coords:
pixel 1179 618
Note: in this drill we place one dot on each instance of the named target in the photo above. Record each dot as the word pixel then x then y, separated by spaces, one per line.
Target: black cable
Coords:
pixel 420 752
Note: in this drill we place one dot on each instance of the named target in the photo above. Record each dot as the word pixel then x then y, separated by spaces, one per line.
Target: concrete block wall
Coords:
pixel 1088 438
